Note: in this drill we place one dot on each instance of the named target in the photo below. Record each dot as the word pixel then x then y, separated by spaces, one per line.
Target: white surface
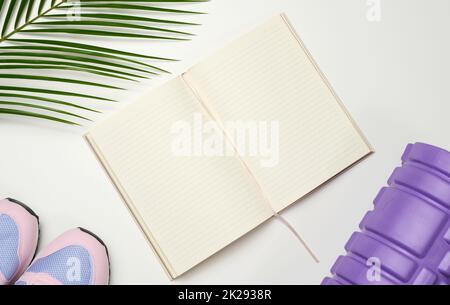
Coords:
pixel 392 76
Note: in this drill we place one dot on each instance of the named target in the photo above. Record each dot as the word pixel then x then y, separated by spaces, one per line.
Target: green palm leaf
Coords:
pixel 65 65
pixel 61 67
pixel 69 56
pixel 85 47
pixel 45 99
pixel 43 107
pixel 34 58
pixel 53 92
pixel 29 9
pixel 130 7
pixel 111 25
pixel 35 115
pixel 68 53
pixel 55 79
pixel 125 17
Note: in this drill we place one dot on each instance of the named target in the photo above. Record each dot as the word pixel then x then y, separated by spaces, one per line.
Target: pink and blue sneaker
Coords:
pixel 77 257
pixel 19 234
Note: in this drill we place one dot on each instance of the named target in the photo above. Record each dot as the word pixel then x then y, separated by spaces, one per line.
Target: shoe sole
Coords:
pixel 23 205
pixel 104 245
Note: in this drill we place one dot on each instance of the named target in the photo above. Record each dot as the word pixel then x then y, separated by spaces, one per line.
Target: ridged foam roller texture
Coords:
pixel 405 239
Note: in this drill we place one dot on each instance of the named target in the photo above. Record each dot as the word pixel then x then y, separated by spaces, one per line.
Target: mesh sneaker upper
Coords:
pixel 70 266
pixel 9 243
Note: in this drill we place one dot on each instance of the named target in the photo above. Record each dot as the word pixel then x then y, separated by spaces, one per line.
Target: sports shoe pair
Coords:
pixel 77 257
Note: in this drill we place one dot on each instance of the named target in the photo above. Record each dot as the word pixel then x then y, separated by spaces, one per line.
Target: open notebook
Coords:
pixel 191 207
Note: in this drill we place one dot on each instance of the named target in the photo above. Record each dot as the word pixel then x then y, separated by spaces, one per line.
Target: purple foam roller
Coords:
pixel 405 239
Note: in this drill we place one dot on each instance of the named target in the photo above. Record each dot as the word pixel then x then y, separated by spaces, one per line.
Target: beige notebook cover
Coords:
pixel 190 207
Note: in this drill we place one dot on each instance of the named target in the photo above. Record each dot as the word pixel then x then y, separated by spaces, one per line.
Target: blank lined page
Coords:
pixel 188 207
pixel 267 76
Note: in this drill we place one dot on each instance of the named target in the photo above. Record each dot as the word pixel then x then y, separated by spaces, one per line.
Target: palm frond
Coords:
pixel 53 92
pixel 26 57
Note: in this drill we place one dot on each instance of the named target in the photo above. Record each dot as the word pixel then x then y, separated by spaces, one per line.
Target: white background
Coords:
pixel 392 75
